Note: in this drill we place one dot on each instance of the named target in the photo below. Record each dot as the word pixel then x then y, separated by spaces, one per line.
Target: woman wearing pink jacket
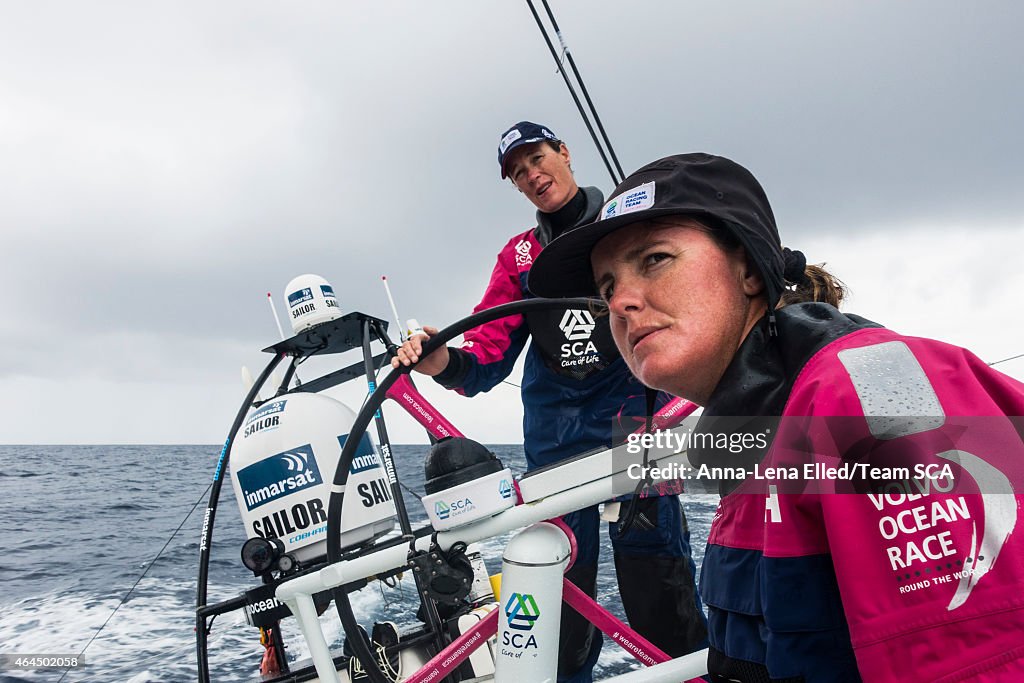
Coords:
pixel 873 531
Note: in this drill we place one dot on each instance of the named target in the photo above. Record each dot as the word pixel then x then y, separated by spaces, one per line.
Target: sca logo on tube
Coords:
pixel 522 611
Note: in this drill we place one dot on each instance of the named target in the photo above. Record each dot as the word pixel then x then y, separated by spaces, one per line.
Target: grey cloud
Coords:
pixel 161 168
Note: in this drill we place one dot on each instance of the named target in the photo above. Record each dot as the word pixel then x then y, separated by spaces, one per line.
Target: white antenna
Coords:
pixel 248 381
pixel 398 321
pixel 273 312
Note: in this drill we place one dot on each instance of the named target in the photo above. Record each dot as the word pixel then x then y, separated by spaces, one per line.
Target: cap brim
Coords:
pixel 562 269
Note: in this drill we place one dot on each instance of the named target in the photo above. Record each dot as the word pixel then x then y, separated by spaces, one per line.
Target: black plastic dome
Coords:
pixel 456 460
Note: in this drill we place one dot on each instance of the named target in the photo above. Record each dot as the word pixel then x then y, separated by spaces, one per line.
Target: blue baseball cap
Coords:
pixel 523 133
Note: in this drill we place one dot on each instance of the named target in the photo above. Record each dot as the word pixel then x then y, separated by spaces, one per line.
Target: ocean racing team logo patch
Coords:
pixel 637 199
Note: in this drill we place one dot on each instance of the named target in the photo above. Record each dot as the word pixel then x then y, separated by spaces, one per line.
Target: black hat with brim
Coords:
pixel 700 185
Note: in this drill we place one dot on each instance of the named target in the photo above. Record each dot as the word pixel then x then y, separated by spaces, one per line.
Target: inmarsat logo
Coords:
pixel 295 462
pixel 577 324
pixel 278 476
pixel 299 296
pixel 266 418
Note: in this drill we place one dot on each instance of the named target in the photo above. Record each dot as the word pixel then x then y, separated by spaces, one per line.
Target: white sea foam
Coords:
pixel 153 629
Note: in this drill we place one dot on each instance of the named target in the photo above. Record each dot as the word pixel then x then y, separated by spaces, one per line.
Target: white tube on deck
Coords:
pixel 532 567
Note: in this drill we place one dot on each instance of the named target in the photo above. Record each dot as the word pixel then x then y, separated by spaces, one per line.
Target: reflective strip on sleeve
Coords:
pixel 895 394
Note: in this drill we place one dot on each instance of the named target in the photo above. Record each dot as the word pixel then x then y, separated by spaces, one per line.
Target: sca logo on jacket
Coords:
pixel 577 325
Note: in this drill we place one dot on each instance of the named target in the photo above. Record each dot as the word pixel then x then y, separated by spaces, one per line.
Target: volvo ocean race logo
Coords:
pixel 277 476
pixel 1000 512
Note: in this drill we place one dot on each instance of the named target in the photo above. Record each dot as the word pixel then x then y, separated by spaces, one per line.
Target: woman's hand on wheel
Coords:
pixel 409 353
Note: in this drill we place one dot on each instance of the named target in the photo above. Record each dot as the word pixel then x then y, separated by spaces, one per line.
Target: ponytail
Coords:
pixel 816 284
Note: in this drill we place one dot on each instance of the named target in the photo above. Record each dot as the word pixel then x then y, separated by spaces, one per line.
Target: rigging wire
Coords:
pixel 409 490
pixel 616 179
pixel 1019 355
pixel 583 89
pixel 566 54
pixel 141 576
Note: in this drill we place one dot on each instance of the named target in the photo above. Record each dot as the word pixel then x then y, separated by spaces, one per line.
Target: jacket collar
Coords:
pixel 755 387
pixel 551 225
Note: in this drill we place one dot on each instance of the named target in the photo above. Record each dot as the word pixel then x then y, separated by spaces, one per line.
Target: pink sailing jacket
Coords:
pixel 824 569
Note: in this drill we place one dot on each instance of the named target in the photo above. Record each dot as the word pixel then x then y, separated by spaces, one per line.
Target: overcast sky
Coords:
pixel 164 165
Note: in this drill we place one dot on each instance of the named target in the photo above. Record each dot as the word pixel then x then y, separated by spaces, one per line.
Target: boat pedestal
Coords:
pixel 533 565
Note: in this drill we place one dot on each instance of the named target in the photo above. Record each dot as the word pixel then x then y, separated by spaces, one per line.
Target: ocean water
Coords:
pixel 84 523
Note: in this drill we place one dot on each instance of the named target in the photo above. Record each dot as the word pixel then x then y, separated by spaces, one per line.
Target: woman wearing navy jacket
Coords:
pixel 575 384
